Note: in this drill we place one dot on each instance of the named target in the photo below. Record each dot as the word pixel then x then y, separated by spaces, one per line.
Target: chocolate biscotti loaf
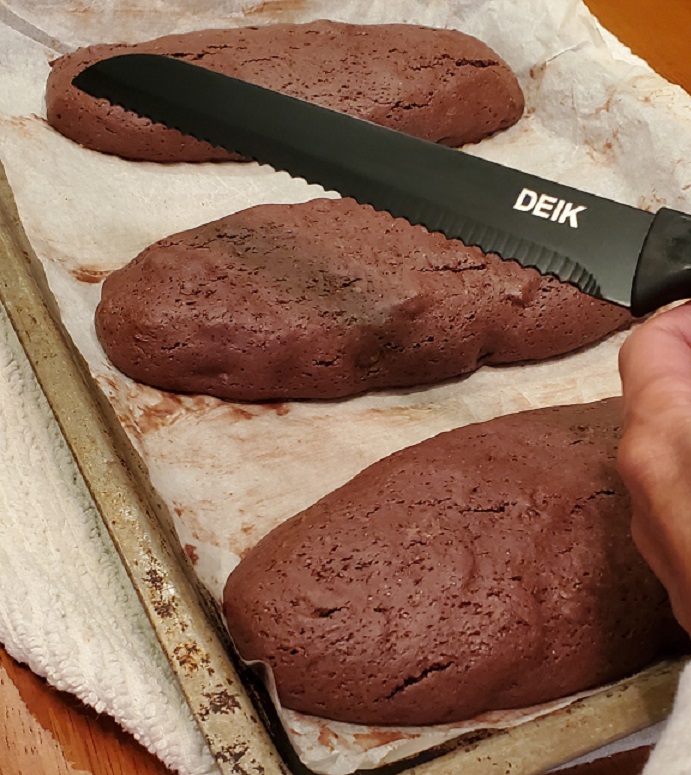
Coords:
pixel 441 85
pixel 490 567
pixel 328 299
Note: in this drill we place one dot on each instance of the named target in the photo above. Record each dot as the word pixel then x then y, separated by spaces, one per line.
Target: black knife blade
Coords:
pixel 607 249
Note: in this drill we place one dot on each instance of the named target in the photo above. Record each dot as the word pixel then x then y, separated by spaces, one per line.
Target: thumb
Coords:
pixel 655 366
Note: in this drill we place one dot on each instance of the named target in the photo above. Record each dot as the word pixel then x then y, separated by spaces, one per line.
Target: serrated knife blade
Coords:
pixel 607 249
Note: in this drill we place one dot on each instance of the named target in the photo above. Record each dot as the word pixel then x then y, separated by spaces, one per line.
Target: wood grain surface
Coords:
pixel 657 30
pixel 47 732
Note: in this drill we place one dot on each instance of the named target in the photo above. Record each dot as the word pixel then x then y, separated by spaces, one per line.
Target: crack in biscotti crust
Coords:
pixel 437 84
pixel 488 568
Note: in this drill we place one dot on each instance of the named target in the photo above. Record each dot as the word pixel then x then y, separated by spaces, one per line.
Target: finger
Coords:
pixel 655 452
pixel 655 367
pixel 655 363
pixel 665 544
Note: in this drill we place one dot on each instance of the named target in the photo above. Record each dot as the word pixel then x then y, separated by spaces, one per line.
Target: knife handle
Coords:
pixel 663 272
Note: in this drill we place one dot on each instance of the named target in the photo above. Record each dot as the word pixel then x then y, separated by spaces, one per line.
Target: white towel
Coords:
pixel 67 608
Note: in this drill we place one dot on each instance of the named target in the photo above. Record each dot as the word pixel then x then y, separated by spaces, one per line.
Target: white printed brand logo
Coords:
pixel 545 206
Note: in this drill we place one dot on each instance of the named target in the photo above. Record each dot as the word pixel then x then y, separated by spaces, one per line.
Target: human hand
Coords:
pixel 655 453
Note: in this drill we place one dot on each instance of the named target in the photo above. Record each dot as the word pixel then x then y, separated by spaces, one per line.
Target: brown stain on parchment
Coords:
pixel 377 737
pixel 111 388
pixel 327 737
pixel 143 409
pixel 250 411
pixel 603 152
pixel 168 408
pixel 24 124
pixel 238 541
pixel 190 549
pixel 280 409
pixel 151 416
pixel 91 275
pixel 537 72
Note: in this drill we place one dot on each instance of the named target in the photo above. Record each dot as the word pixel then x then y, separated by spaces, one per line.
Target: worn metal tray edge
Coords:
pixel 184 621
pixel 134 516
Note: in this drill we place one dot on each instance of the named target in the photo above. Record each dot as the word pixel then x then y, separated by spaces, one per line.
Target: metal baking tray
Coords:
pixel 230 706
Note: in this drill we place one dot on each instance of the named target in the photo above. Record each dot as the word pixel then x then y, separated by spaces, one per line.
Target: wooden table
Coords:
pixel 46 732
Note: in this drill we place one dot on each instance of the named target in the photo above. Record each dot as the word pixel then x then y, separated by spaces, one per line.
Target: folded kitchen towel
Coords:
pixel 67 608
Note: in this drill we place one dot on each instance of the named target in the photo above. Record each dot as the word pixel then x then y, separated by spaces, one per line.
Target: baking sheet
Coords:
pixel 86 214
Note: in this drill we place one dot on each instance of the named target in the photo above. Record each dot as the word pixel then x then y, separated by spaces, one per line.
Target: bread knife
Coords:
pixel 609 250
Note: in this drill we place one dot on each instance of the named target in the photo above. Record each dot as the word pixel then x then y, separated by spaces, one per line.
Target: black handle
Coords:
pixel 663 273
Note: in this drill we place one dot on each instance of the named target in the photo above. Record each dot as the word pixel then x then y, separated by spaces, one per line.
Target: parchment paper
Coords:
pixel 595 119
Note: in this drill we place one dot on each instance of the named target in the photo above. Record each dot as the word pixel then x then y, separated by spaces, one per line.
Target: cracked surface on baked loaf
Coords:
pixel 328 299
pixel 441 85
pixel 488 568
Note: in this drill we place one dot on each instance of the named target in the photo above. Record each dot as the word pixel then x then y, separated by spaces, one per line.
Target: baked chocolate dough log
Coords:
pixel 488 568
pixel 441 85
pixel 327 299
